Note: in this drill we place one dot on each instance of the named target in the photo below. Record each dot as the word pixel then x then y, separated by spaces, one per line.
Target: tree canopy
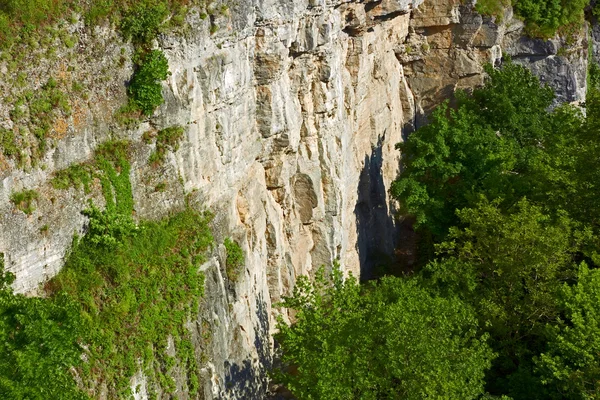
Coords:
pixel 390 340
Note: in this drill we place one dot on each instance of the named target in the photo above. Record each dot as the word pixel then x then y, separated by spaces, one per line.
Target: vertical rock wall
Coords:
pixel 291 113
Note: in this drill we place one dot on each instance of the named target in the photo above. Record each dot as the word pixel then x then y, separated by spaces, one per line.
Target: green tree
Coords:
pixel 39 344
pixel 507 189
pixel 509 266
pixel 585 170
pixel 571 363
pixel 500 143
pixel 391 340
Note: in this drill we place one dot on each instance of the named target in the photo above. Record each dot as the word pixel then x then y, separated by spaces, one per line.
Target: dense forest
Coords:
pixel 504 300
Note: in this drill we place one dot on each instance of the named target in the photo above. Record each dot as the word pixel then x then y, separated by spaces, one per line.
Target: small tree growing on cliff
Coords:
pixel 145 88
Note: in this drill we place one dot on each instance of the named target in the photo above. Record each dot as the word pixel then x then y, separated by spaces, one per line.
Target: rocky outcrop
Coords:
pixel 291 112
pixel 449 43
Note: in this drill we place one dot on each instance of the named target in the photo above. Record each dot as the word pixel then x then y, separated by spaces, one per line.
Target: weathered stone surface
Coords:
pixel 291 113
pixel 451 43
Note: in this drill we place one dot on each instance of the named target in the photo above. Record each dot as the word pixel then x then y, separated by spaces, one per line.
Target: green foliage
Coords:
pixel 111 166
pixel 39 344
pixel 142 20
pixel 112 160
pixel 166 140
pixel 501 143
pixel 38 110
pixel 145 89
pixel 509 265
pixel 76 175
pixel 108 228
pixel 593 75
pixel 507 191
pixel 135 295
pixel 8 143
pixel 128 289
pixel 392 339
pixel 18 18
pixel 234 261
pixel 571 363
pixel 492 7
pixel 543 17
pixel 24 199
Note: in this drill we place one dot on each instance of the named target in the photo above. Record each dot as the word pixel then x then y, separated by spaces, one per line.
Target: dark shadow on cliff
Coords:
pixel 376 228
pixel 249 380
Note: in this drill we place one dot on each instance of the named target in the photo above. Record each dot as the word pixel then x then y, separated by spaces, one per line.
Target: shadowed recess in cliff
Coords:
pixel 249 380
pixel 377 233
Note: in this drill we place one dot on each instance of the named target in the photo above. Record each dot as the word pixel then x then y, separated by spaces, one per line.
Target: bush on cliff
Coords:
pixel 39 345
pixel 543 17
pixel 145 88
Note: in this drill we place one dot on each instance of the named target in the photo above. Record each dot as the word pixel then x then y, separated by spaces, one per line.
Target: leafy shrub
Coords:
pixel 8 143
pixel 99 10
pixel 234 260
pixel 389 340
pixel 76 175
pixel 166 139
pixel 43 105
pixel 112 162
pixel 145 88
pixel 142 20
pixel 39 344
pixel 24 199
pixel 134 296
pixel 492 7
pixel 543 17
pixel 108 228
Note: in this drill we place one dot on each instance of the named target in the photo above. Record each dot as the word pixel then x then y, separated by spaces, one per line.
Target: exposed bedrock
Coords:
pixel 291 112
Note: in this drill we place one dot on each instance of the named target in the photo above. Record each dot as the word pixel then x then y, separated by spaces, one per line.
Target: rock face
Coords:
pixel 449 43
pixel 291 113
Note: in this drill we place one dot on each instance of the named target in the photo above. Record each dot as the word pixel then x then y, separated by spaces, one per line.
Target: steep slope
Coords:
pixel 291 111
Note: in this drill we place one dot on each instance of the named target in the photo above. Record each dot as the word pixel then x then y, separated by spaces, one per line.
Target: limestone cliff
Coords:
pixel 291 112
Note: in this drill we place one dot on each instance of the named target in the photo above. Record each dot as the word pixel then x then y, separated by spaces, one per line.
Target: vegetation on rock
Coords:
pixel 166 140
pixel 24 199
pixel 543 17
pixel 125 290
pixel 39 344
pixel 504 193
pixel 234 259
pixel 136 286
pixel 51 88
pixel 145 88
